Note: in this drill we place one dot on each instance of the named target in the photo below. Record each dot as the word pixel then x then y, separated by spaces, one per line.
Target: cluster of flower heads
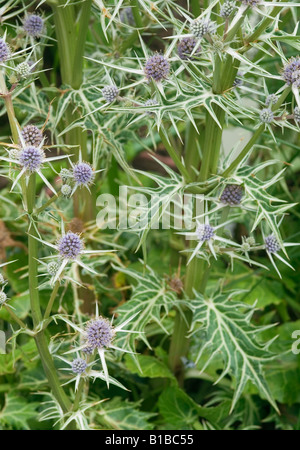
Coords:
pixel 232 194
pixel 4 51
pixel 291 72
pixel 33 25
pixel 205 232
pixel 32 135
pixel 81 174
pixel 79 366
pixel 271 244
pixel 271 99
pixel 188 48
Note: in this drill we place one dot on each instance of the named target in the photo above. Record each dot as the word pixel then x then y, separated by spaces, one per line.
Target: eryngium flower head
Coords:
pixel 65 174
pixel 52 268
pixel 227 9
pixel 297 114
pixel 33 25
pixel 99 333
pixel 157 67
pixel 266 115
pixel 126 16
pixel 79 365
pixel 201 27
pixel 291 72
pixel 83 173
pixel 31 158
pixel 205 232
pixel 66 190
pixel 232 194
pixel 88 350
pixel 4 51
pixel 186 46
pixel 271 244
pixel 110 93
pixel 32 135
pixel 70 245
pixel 14 153
pixel 272 99
pixel 3 297
pixel 23 70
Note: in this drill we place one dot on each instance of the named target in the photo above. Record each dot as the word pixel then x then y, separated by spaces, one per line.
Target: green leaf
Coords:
pixel 17 411
pixel 148 366
pixel 178 409
pixel 118 414
pixel 227 331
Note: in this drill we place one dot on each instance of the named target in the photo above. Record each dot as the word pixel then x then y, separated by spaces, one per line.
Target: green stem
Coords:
pixel 52 300
pixel 182 169
pixel 40 338
pixel 14 317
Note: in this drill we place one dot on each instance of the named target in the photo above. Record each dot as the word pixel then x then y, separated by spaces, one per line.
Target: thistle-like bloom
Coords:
pixel 205 234
pixel 98 335
pixel 31 159
pixel 32 135
pixel 4 51
pixel 297 114
pixel 33 25
pixel 273 247
pixel 69 249
pixel 271 244
pixel 110 93
pixel 52 268
pixel 23 70
pixel 186 48
pixel 227 9
pixel 65 175
pixel 202 27
pixel 79 365
pixel 272 99
pixel 291 72
pixel 266 115
pixel 66 190
pixel 82 174
pixel 232 194
pixel 157 68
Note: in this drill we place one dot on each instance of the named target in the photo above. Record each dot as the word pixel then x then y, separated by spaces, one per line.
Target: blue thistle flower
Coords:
pixel 31 158
pixel 227 9
pixel 33 25
pixel 271 244
pixel 266 115
pixel 232 194
pixel 272 99
pixel 202 27
pixel 99 333
pixel 205 232
pixel 291 72
pixel 157 68
pixel 32 135
pixel 186 46
pixel 79 365
pixel 110 93
pixel 70 245
pixel 88 350
pixel 4 51
pixel 83 173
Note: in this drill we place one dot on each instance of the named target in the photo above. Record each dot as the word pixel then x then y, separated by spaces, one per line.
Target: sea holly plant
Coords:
pixel 149 228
